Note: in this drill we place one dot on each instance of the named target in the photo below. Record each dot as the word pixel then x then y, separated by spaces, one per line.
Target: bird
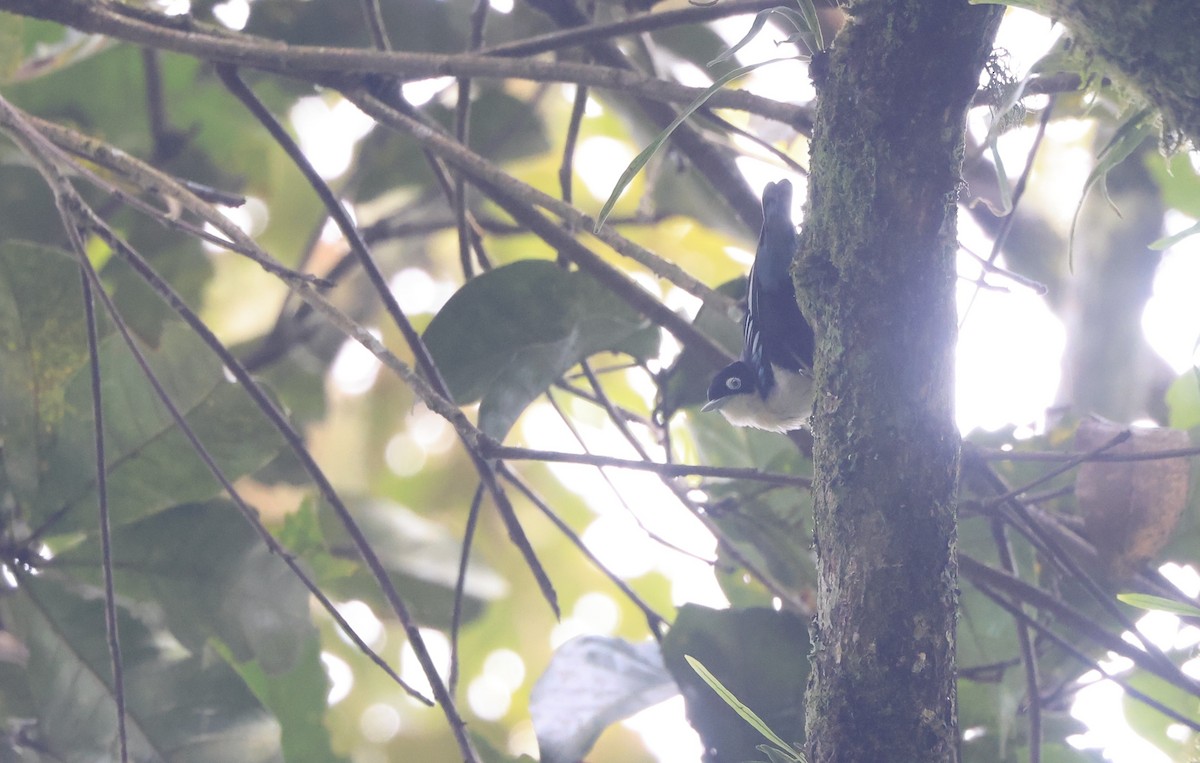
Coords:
pixel 771 385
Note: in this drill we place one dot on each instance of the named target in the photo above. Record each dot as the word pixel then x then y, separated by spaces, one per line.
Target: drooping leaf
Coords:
pixel 1131 134
pixel 180 706
pixel 507 335
pixel 151 464
pixel 591 683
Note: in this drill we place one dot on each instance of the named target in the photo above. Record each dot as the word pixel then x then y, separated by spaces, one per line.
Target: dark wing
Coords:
pixel 776 331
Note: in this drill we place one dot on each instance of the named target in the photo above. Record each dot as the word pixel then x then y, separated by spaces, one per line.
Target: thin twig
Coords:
pixel 1018 193
pixel 1043 456
pixel 492 449
pixel 106 565
pixel 460 583
pixel 634 24
pixel 1113 442
pixel 566 169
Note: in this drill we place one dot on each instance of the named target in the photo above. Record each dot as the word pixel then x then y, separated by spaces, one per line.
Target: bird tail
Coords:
pixel 777 240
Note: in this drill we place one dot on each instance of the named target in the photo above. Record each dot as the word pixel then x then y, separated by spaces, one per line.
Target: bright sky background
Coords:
pixel 1008 361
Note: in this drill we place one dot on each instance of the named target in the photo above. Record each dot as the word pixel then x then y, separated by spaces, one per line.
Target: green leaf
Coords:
pixel 1131 134
pixel 1159 604
pixel 175 701
pixel 760 20
pixel 297 697
pixel 811 25
pixel 728 698
pixel 1183 400
pixel 640 160
pixel 210 575
pixel 151 465
pixel 1167 242
pixel 42 344
pixel 507 335
pixel 761 658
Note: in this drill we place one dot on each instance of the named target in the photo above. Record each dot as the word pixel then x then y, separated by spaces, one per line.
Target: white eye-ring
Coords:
pixel 733 383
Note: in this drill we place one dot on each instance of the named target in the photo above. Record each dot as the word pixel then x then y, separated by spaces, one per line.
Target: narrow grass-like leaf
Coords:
pixel 1126 140
pixel 760 20
pixel 727 696
pixel 1167 242
pixel 1002 182
pixel 640 160
pixel 1159 604
pixel 809 11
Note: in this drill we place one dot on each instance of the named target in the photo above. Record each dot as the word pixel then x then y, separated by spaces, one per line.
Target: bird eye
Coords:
pixel 733 384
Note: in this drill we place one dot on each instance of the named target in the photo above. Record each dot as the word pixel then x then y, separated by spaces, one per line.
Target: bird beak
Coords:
pixel 714 405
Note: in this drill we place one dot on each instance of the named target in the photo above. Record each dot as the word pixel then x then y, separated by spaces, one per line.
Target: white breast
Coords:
pixel 788 406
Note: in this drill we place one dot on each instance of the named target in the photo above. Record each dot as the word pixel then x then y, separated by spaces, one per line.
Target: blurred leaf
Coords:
pixel 1169 241
pixel 760 655
pixel 1183 400
pixel 151 464
pixel 42 343
pixel 1159 604
pixel 1151 724
pixel 12 44
pixel 508 334
pixel 297 697
pixel 1178 181
pixel 1128 137
pixel 591 683
pixel 211 576
pixel 175 701
pixel 420 556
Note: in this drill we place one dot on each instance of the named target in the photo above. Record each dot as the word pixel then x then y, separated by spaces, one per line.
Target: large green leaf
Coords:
pixel 42 344
pixel 151 465
pixel 180 707
pixel 210 575
pixel 507 335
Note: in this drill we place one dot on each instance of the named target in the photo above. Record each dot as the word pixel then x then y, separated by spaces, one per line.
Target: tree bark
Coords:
pixel 876 271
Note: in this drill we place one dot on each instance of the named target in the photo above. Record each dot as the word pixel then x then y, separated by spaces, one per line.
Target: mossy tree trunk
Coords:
pixel 877 274
pixel 1150 44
